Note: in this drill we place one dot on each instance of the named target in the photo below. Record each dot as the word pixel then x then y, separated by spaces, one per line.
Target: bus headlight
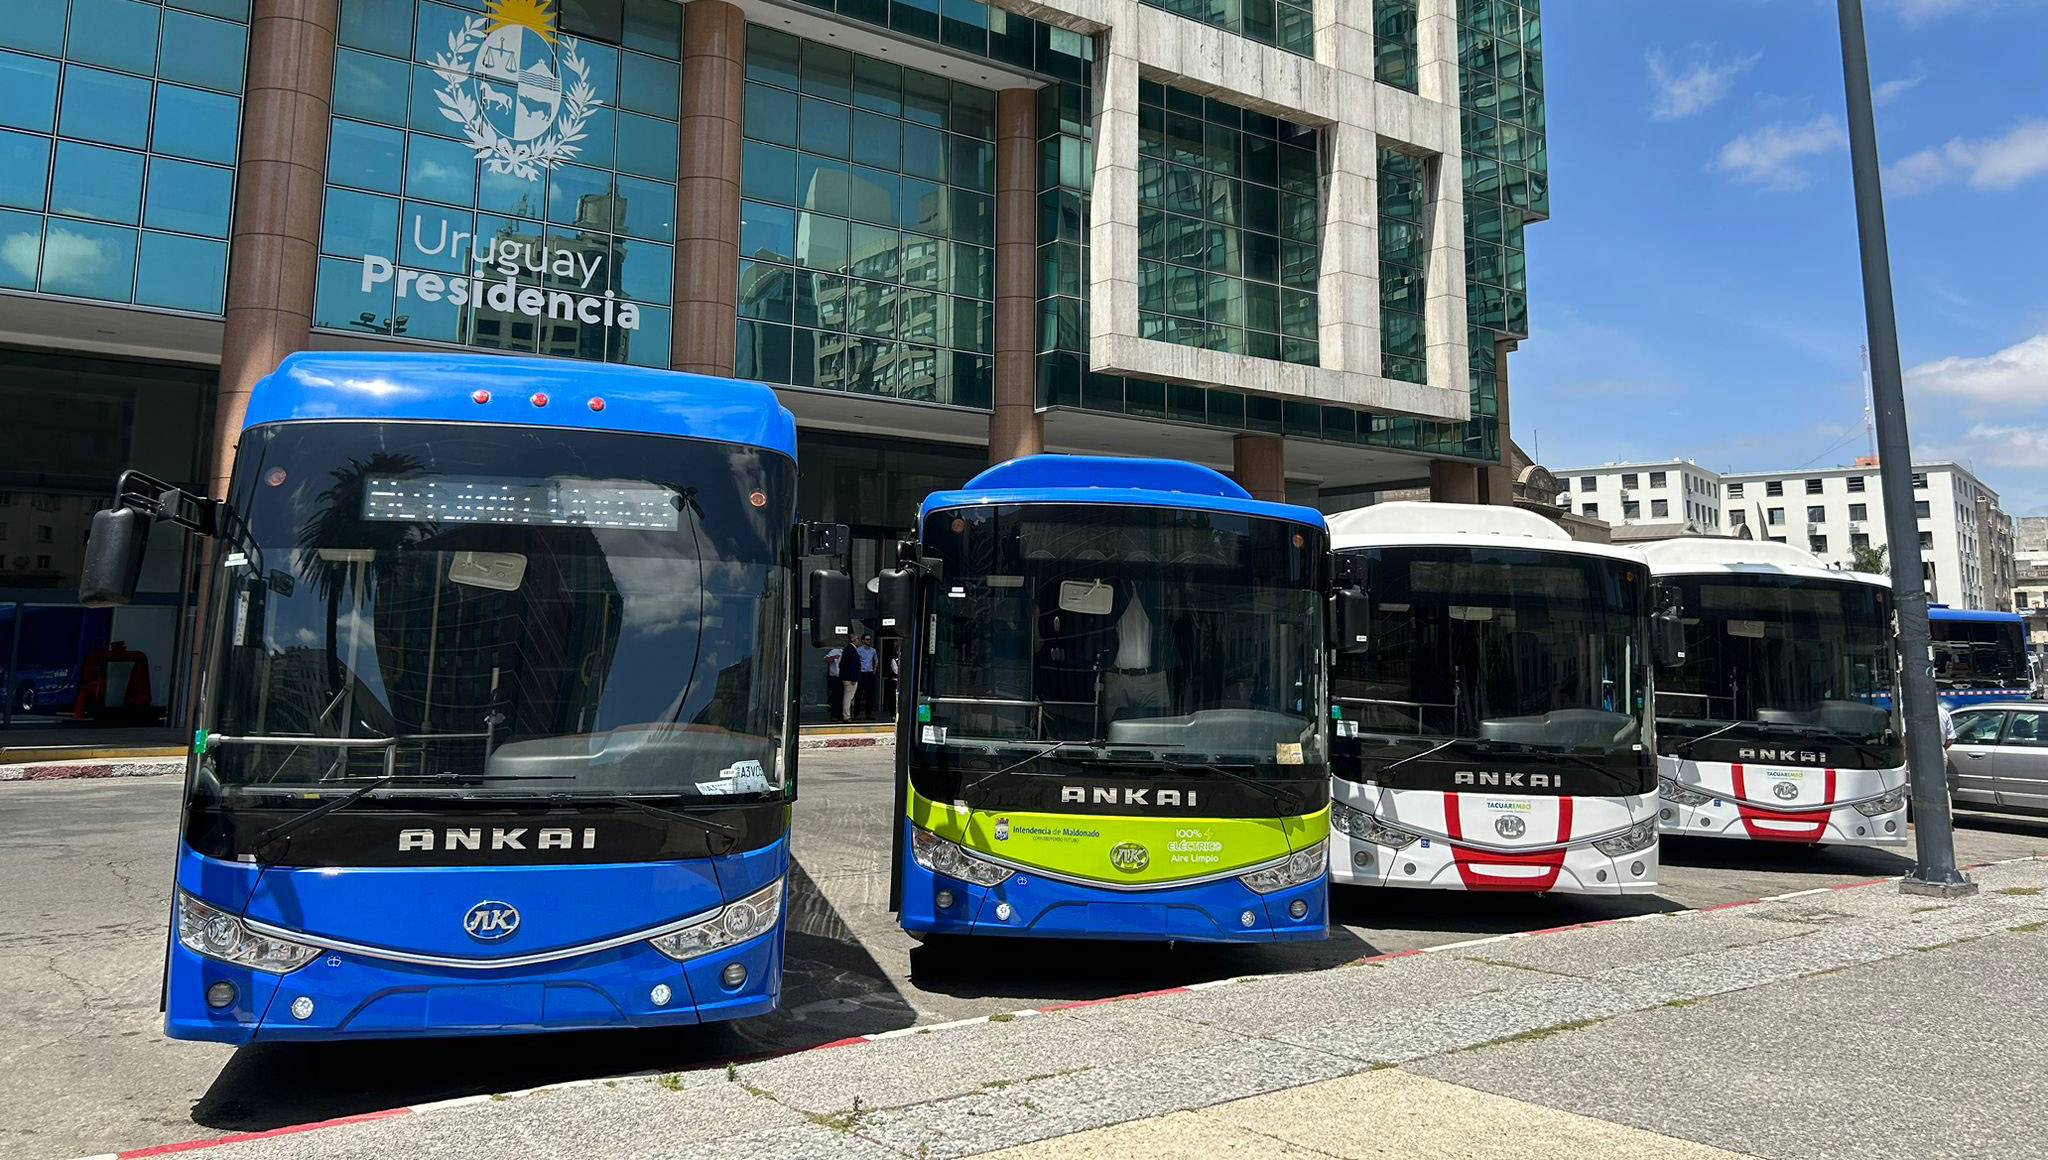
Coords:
pixel 729 925
pixel 1636 837
pixel 1367 828
pixel 1892 800
pixel 940 856
pixel 1301 866
pixel 1676 791
pixel 210 931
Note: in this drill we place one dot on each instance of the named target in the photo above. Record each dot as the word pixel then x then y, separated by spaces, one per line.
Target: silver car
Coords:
pixel 2000 757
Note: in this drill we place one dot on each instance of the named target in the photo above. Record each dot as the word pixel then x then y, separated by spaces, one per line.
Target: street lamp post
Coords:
pixel 1934 871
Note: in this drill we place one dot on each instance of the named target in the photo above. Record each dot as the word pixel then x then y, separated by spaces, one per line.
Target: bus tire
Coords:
pixel 25 698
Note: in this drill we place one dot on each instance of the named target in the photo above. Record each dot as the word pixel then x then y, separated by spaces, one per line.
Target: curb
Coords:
pixel 76 770
pixel 1005 1017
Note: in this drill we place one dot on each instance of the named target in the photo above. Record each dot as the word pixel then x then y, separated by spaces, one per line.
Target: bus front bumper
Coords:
pixel 1439 864
pixel 1027 904
pixel 343 995
pixel 1727 818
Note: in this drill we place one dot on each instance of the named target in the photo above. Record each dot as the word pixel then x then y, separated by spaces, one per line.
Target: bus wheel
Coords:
pixel 25 698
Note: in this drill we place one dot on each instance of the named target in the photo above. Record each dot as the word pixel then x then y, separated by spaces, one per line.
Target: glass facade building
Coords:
pixel 821 207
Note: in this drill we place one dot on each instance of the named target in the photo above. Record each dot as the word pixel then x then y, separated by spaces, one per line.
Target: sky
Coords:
pixel 1696 292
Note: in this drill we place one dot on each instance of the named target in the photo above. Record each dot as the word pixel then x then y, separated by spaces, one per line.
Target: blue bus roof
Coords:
pixel 1107 479
pixel 440 387
pixel 1944 612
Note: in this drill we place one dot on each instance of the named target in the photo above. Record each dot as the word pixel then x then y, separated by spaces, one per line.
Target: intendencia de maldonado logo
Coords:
pixel 521 94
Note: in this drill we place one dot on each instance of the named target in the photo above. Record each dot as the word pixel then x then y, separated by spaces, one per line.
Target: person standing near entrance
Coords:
pixel 835 689
pixel 848 661
pixel 870 679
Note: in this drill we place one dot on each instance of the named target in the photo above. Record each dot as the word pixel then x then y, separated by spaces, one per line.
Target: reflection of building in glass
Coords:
pixel 559 331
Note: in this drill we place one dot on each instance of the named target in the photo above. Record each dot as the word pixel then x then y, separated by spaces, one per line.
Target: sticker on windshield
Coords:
pixel 498 571
pixel 739 777
pixel 1747 629
pixel 1287 752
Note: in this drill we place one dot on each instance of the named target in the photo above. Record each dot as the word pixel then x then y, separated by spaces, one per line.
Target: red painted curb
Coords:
pixel 1112 999
pixel 241 1137
pixel 1385 957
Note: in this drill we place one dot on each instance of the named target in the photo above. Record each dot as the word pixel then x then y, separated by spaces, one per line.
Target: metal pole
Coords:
pixel 1934 829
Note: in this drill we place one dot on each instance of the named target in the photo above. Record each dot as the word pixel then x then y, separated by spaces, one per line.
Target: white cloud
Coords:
pixel 1892 90
pixel 1917 12
pixel 1693 88
pixel 70 257
pixel 2017 374
pixel 2007 446
pixel 1997 163
pixel 18 252
pixel 1767 157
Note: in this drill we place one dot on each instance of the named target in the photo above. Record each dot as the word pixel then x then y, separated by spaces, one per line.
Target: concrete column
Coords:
pixel 1015 426
pixel 280 183
pixel 1260 466
pixel 1500 478
pixel 1453 482
pixel 707 254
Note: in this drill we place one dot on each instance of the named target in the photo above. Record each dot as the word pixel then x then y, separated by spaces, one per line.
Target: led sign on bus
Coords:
pixel 480 499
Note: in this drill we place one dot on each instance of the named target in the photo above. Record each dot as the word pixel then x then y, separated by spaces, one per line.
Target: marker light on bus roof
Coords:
pixel 480 396
pixel 540 398
pixel 596 404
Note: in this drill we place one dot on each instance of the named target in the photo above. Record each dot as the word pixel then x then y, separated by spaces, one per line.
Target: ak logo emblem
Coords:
pixel 491 921
pixel 520 91
pixel 1786 790
pixel 1510 827
pixel 1130 857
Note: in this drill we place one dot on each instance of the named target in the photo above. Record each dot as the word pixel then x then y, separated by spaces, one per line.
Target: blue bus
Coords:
pixel 495 731
pixel 1114 710
pixel 1979 657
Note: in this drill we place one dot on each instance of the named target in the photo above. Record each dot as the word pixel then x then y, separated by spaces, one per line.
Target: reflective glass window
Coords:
pixel 87 260
pixel 119 34
pixel 202 51
pixel 199 125
pixel 181 273
pixel 21 244
pixel 28 92
pixel 92 182
pixel 188 198
pixel 105 107
pixel 24 170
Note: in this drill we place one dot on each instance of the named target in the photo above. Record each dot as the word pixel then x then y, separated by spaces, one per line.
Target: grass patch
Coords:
pixel 1678 1003
pixel 845 1121
pixel 2027 927
pixel 670 1081
pixel 1926 909
pixel 499 1097
pixel 2020 891
pixel 1002 1017
pixel 1954 942
pixel 732 1073
pixel 1535 1033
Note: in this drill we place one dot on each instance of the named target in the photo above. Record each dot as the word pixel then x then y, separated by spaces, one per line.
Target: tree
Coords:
pixel 1869 559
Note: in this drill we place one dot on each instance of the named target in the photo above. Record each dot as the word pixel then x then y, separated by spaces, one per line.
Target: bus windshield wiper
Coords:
pixel 1684 748
pixel 977 783
pixel 1418 755
pixel 1283 798
pixel 729 833
pixel 1538 751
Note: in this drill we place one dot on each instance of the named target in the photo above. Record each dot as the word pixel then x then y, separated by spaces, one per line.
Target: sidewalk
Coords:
pixel 1845 1022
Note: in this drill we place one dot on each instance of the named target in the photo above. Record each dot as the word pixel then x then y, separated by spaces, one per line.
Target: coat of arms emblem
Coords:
pixel 520 91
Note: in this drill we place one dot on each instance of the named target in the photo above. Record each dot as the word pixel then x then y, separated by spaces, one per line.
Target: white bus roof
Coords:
pixel 1704 554
pixel 1460 525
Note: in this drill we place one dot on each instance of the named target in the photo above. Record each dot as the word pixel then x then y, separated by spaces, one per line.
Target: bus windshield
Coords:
pixel 1979 653
pixel 1507 650
pixel 468 611
pixel 1185 634
pixel 1779 658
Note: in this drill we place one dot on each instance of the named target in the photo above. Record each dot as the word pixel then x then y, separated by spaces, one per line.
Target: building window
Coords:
pixel 1564 483
pixel 1777 539
pixel 1856 483
pixel 1656 479
pixel 1921 510
pixel 1813 487
pixel 1859 541
pixel 1734 491
pixel 1776 516
pixel 1774 487
pixel 1859 511
pixel 1587 483
pixel 1404 256
pixel 2019 599
pixel 1631 509
pixel 1394 43
pixel 1660 508
pixel 120 181
pixel 867 230
pixel 1926 540
pixel 1919 481
pixel 1228 217
pixel 1817 544
pixel 1628 479
pixel 1592 511
pixel 44 564
pixel 1737 518
pixel 1816 514
pixel 1288 24
pixel 453 215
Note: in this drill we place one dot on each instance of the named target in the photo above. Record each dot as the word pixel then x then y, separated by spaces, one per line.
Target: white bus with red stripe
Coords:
pixel 1493 730
pixel 1778 726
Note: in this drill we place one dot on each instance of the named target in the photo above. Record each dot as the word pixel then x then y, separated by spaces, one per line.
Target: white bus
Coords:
pixel 1493 730
pixel 1779 724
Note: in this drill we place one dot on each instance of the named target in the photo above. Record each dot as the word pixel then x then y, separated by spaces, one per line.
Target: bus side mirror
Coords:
pixel 896 589
pixel 113 557
pixel 1667 629
pixel 1350 620
pixel 831 608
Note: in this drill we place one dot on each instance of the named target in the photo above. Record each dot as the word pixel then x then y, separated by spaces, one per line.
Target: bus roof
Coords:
pixel 1460 525
pixel 436 387
pixel 1694 555
pixel 1944 612
pixel 1106 479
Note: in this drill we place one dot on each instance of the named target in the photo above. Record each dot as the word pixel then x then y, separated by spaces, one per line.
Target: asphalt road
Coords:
pixel 84 1067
